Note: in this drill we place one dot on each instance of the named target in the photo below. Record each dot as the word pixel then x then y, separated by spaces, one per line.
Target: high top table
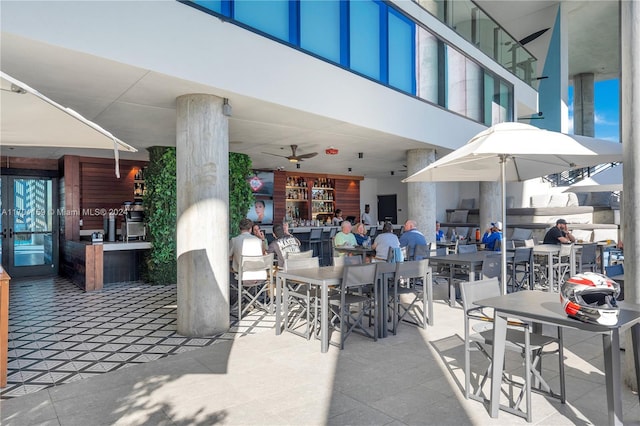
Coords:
pixel 545 308
pixel 549 250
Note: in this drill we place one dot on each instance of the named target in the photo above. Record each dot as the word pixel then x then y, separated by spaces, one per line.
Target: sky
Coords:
pixel 607 110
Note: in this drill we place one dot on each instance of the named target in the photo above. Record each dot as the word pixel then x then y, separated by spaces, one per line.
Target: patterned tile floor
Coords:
pixel 59 334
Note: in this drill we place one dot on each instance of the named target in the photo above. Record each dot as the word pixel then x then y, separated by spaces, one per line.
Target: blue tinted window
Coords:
pixel 401 53
pixel 320 28
pixel 364 37
pixel 270 16
pixel 214 5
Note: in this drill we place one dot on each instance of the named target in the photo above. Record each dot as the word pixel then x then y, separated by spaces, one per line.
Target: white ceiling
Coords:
pixel 138 106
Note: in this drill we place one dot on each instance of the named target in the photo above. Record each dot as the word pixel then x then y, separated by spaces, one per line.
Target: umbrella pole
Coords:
pixel 503 246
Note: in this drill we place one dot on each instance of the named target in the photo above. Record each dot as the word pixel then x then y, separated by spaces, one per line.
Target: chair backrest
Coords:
pixel 358 275
pixel 565 250
pixel 467 248
pixel 352 260
pixel 302 254
pixel 412 269
pixel 315 234
pixel 442 251
pixel 338 260
pixel 491 266
pixel 420 251
pixel 529 242
pixel 373 231
pixel 613 270
pixel 462 231
pixel 396 254
pixel 522 254
pixel 476 290
pixel 333 232
pixel 301 263
pixel 521 234
pixel 255 267
pixel 588 254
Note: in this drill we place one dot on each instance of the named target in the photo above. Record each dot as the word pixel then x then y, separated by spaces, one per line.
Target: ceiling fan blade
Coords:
pixel 309 155
pixel 531 37
pixel 276 155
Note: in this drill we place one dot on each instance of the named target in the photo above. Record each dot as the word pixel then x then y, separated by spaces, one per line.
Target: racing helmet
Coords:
pixel 591 297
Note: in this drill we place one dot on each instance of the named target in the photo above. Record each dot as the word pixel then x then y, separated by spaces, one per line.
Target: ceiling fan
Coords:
pixel 293 158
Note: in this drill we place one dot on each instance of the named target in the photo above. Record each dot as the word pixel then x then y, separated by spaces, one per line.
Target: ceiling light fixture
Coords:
pixel 297 165
pixel 349 170
pixel 392 173
pixel 361 155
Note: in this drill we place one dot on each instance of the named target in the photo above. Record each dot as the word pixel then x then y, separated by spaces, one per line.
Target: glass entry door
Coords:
pixel 29 229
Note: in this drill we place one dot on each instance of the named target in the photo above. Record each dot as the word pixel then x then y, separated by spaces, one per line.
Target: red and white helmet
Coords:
pixel 591 297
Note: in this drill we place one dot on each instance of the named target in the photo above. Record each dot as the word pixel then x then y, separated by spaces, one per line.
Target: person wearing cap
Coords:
pixel 559 234
pixel 493 234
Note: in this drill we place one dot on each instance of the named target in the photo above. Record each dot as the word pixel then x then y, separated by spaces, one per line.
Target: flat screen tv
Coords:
pixel 261 183
pixel 261 211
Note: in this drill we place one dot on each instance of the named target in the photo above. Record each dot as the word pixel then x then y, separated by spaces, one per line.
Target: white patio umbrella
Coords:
pixel 517 152
pixel 609 180
pixel 28 118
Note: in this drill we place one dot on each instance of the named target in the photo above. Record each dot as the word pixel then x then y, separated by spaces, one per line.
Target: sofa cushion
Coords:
pixel 540 200
pixel 573 200
pixel 558 200
pixel 582 235
pixel 467 203
pixel 605 234
pixel 459 216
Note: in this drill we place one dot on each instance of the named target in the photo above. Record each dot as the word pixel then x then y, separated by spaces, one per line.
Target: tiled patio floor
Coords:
pixel 59 334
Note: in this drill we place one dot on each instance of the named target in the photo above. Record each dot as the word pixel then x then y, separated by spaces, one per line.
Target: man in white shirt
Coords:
pixel 366 218
pixel 244 244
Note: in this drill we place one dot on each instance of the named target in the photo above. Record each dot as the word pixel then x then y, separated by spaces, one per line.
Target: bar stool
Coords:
pixel 315 240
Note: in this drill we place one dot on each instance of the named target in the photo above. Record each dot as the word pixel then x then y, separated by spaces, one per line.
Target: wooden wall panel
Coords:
pixel 279 204
pixel 101 191
pixel 7 162
pixel 348 197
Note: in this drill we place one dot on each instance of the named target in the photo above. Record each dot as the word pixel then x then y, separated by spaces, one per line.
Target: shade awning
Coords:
pixel 29 118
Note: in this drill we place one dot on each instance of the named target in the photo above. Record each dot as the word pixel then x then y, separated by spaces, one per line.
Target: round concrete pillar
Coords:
pixel 630 135
pixel 490 205
pixel 202 150
pixel 422 195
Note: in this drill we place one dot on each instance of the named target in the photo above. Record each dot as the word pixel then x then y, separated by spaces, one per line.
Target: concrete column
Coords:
pixel 629 113
pixel 422 195
pixel 202 146
pixel 583 104
pixel 490 205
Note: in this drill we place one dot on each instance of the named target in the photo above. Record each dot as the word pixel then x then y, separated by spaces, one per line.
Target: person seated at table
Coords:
pixel 559 234
pixel 411 237
pixel 285 227
pixel 439 232
pixel 283 244
pixel 337 219
pixel 255 230
pixel 360 232
pixel 345 237
pixel 384 241
pixel 493 234
pixel 244 244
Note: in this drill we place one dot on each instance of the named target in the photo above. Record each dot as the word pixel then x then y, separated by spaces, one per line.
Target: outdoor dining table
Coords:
pixel 323 278
pixel 471 260
pixel 357 250
pixel 549 250
pixel 545 308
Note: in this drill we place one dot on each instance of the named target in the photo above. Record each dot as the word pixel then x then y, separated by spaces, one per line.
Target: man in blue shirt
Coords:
pixel 411 237
pixel 439 232
pixel 493 234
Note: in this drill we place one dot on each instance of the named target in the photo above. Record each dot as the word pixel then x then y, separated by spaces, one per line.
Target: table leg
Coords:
pixel 635 343
pixel 452 288
pixel 572 263
pixel 278 305
pixel 384 308
pixel 499 337
pixel 611 350
pixel 550 270
pixel 428 295
pixel 324 317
